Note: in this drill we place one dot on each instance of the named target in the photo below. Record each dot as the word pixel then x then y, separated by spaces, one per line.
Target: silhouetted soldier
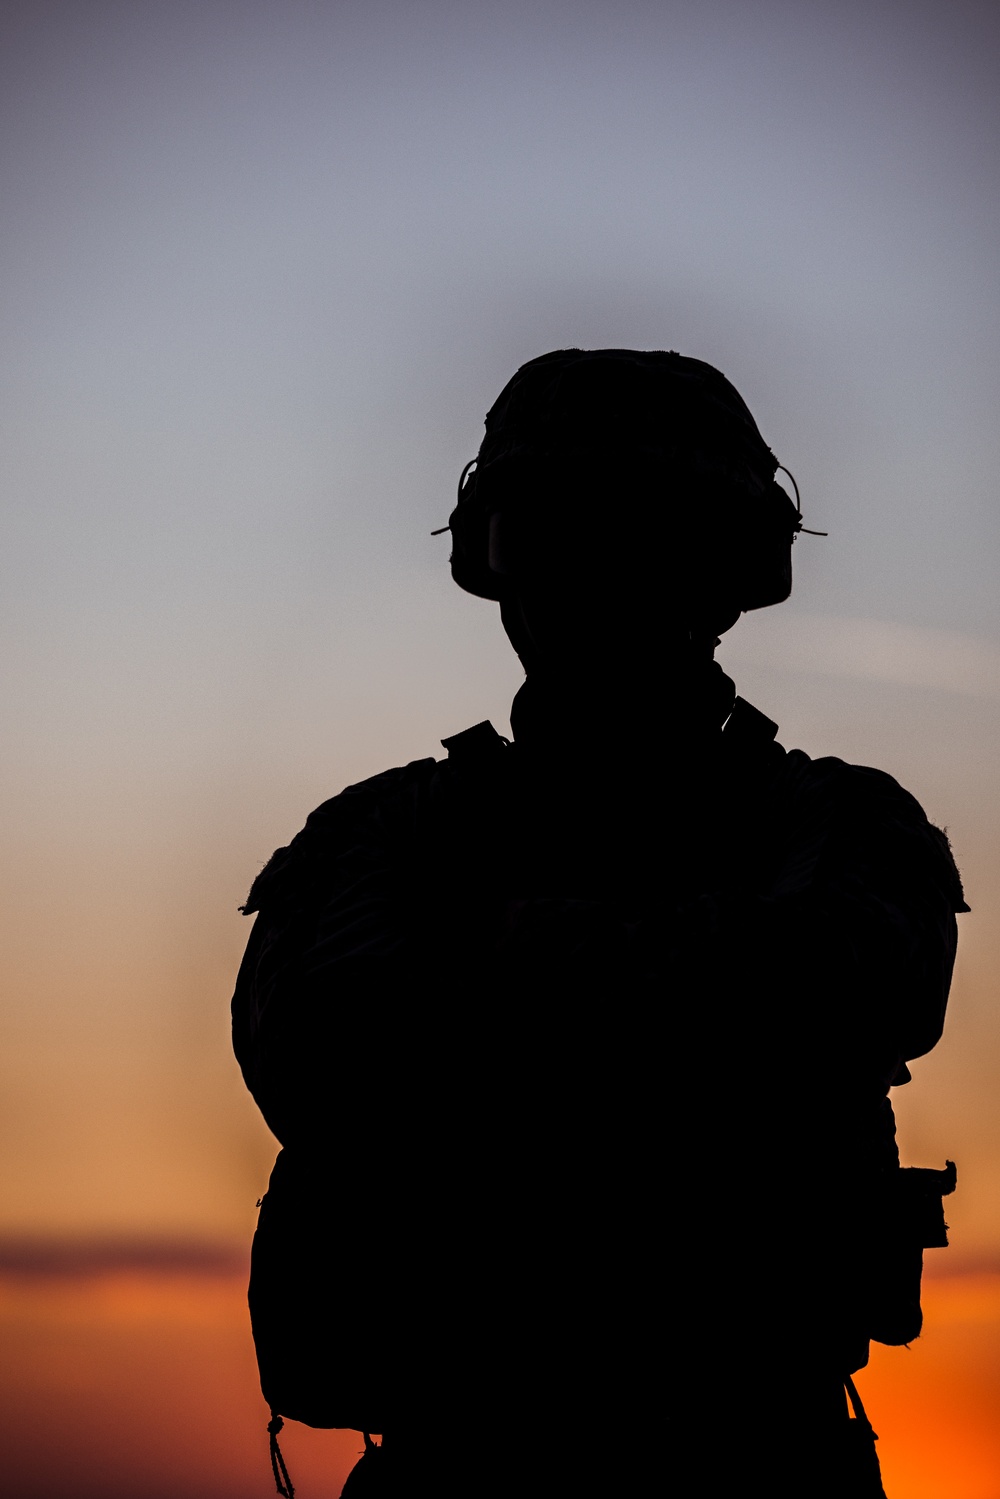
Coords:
pixel 579 1047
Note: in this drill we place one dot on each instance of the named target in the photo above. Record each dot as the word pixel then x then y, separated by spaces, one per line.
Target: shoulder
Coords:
pixel 361 825
pixel 375 807
pixel 827 784
pixel 830 779
pixel 867 810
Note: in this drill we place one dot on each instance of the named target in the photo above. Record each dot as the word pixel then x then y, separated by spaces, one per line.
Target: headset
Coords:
pixel 760 527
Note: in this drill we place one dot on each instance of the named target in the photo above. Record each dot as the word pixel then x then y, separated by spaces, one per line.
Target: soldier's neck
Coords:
pixel 629 715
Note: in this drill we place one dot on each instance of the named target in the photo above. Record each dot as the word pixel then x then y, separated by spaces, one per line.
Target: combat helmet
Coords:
pixel 663 429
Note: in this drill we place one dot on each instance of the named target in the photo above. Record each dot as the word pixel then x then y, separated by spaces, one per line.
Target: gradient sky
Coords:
pixel 265 268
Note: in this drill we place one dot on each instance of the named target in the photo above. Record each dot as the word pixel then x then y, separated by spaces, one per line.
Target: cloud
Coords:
pixel 871 649
pixel 70 1257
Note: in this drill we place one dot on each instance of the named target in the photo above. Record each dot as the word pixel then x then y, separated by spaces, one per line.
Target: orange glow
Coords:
pixel 935 1404
pixel 142 1385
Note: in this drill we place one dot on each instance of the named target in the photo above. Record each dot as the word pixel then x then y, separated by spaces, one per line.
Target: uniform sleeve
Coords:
pixel 863 910
pixel 841 946
pixel 329 965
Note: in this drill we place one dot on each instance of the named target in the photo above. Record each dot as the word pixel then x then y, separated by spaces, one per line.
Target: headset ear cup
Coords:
pixel 469 523
pixel 767 551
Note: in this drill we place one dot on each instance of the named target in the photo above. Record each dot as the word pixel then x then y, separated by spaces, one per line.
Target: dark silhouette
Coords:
pixel 579 1047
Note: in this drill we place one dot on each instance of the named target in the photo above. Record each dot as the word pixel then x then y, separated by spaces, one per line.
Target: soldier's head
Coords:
pixel 622 503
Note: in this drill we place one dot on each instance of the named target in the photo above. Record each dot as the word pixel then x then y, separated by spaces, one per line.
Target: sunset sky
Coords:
pixel 266 266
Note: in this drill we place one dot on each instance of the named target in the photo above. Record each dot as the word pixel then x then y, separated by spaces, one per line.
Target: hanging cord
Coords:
pixel 798 504
pixel 282 1481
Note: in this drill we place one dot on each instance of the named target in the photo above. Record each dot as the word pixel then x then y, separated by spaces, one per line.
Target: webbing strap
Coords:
pixel 857 1407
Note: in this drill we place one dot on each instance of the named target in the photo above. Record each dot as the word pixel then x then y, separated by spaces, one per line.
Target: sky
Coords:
pixel 266 266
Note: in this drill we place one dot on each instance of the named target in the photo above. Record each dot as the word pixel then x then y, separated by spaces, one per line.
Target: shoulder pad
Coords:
pixel 851 796
pixel 330 825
